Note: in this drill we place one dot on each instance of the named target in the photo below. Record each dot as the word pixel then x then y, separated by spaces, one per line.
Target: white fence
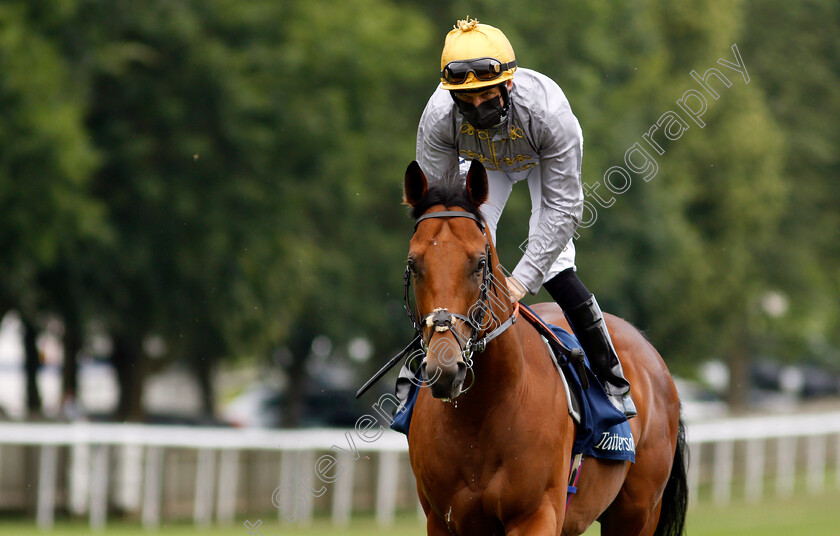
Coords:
pixel 749 451
pixel 210 474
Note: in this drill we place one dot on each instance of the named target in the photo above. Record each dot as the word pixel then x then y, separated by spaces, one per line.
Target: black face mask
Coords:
pixel 488 114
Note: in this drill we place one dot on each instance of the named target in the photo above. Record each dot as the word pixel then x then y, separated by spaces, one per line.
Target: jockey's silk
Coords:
pixel 540 141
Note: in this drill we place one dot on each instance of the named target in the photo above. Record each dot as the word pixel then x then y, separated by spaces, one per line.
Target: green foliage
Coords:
pixel 227 175
pixel 45 160
pixel 796 64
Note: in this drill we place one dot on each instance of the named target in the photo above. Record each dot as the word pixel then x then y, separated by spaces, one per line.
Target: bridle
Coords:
pixel 441 319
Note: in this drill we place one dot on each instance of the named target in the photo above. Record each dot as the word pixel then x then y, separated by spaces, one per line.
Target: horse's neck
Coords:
pixel 500 369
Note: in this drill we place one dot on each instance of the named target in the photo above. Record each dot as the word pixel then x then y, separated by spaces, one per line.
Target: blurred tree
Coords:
pixel 249 161
pixel 795 59
pixel 352 86
pixel 729 178
pixel 45 164
pixel 212 179
pixel 184 114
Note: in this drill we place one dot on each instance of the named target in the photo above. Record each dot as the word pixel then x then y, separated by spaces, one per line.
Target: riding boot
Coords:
pixel 404 382
pixel 588 324
pixel 409 375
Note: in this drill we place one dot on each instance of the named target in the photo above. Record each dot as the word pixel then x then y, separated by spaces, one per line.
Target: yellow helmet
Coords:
pixel 475 56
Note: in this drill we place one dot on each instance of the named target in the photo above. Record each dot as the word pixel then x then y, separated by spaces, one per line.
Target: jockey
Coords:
pixel 520 129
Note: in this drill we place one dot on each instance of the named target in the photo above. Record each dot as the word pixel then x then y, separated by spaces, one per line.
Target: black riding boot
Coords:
pixel 587 322
pixel 591 330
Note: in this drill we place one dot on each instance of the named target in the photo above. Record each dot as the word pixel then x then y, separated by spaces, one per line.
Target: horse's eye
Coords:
pixel 482 263
pixel 412 265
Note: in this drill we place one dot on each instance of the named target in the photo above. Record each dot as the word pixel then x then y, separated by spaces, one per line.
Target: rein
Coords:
pixel 441 319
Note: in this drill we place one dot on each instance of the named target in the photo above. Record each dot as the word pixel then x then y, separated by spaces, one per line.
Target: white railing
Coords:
pixel 130 465
pixel 722 449
pixel 140 462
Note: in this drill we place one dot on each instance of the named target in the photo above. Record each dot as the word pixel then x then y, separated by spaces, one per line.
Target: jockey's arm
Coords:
pixel 436 151
pixel 561 198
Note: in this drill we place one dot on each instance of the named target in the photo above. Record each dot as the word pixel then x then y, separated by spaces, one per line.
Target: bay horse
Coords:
pixel 490 439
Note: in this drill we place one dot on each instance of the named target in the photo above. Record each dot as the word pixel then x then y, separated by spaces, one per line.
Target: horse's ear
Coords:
pixel 477 188
pixel 416 184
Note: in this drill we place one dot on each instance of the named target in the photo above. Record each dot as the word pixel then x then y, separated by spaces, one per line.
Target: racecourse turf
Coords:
pixel 807 515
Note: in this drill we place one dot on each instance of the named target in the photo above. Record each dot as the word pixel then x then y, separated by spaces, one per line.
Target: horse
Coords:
pixel 491 435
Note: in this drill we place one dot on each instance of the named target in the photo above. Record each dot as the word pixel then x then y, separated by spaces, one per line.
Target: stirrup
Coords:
pixel 624 403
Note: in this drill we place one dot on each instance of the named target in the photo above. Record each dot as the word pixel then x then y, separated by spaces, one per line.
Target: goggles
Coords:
pixel 483 69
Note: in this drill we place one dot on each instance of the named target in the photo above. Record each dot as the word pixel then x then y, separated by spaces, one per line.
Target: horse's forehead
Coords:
pixel 449 233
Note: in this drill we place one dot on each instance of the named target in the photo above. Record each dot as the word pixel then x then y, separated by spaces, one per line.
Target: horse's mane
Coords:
pixel 449 192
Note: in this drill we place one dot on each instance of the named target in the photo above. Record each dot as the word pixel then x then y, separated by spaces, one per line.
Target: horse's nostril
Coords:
pixel 461 375
pixel 423 370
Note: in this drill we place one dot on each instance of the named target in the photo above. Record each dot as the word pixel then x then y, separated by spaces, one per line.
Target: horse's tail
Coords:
pixel 675 498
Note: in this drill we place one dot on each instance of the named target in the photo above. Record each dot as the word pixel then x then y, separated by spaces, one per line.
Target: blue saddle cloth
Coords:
pixel 603 431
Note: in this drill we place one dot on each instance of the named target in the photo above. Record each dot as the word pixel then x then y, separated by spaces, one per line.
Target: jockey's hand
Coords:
pixel 515 289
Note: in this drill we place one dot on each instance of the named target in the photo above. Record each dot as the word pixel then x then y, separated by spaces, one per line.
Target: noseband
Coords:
pixel 441 319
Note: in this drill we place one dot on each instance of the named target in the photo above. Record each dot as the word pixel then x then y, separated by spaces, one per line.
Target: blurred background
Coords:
pixel 201 226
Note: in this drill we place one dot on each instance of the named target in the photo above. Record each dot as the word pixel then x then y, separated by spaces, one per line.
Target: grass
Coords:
pixel 803 514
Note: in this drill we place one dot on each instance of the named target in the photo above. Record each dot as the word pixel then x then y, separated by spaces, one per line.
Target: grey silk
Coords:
pixel 541 141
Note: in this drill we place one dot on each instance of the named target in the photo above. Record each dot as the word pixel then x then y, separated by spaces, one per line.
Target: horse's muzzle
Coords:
pixel 445 382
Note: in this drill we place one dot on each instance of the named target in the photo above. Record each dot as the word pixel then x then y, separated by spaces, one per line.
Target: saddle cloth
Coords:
pixel 602 430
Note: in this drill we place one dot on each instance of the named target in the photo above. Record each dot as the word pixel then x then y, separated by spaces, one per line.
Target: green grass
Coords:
pixel 803 514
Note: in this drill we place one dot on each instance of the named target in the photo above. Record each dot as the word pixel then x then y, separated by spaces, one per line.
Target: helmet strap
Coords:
pixel 505 100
